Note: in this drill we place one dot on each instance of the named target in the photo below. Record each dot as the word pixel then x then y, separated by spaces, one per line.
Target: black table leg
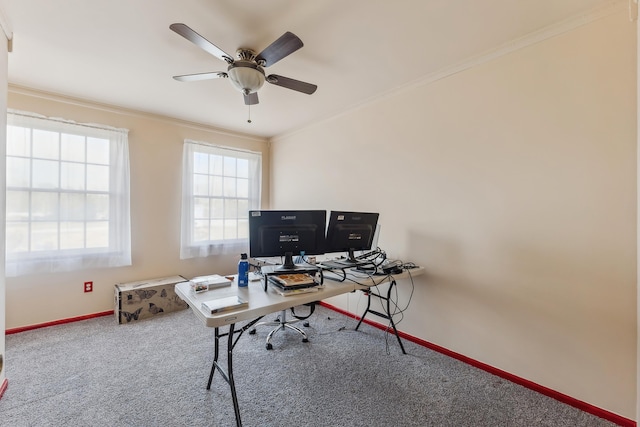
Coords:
pixel 215 357
pixel 366 310
pixel 228 374
pixel 393 324
pixel 387 316
pixel 232 383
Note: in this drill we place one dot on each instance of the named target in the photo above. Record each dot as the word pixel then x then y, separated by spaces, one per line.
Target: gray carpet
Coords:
pixel 154 373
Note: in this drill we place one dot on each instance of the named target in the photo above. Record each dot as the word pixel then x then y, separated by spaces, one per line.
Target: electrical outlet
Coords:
pixel 88 286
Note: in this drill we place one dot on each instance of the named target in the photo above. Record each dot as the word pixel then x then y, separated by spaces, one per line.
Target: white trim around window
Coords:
pixel 219 187
pixel 68 204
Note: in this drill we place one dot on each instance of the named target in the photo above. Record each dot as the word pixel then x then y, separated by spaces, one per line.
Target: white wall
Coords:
pixel 155 145
pixel 514 184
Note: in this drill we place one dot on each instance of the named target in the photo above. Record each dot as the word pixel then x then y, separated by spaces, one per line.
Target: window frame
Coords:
pixel 190 246
pixel 117 251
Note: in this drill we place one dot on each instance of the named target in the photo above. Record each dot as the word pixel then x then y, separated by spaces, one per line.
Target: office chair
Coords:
pixel 281 323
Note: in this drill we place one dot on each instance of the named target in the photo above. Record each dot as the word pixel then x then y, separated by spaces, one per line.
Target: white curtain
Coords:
pixel 113 246
pixel 189 248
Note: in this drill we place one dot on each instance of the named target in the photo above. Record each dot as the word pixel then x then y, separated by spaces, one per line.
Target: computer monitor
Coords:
pixel 286 233
pixel 350 232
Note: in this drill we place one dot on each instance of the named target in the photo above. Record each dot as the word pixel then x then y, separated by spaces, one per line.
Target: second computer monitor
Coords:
pixel 350 232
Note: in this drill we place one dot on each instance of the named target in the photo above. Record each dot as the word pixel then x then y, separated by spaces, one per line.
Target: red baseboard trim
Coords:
pixel 579 404
pixel 57 322
pixel 3 387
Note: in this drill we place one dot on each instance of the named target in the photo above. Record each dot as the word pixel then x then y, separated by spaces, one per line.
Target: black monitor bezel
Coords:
pixel 264 220
pixel 355 221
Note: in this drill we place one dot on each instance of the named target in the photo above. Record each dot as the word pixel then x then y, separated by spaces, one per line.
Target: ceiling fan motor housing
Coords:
pixel 245 73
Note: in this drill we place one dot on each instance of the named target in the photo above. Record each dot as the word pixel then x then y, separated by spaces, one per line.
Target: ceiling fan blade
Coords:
pixel 200 76
pixel 284 46
pixel 292 84
pixel 251 99
pixel 201 42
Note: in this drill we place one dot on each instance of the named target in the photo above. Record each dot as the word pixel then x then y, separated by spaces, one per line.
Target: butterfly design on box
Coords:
pixel 145 293
pixel 131 316
pixel 154 309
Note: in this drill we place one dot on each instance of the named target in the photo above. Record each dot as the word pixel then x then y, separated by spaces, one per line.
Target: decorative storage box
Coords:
pixel 147 298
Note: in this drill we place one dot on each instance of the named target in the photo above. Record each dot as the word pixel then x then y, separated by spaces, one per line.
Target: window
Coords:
pixel 67 195
pixel 219 187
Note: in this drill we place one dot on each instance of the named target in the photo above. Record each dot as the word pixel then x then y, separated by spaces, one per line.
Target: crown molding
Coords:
pixel 609 8
pixel 56 97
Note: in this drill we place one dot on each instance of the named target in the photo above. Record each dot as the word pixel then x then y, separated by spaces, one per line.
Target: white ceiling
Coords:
pixel 122 53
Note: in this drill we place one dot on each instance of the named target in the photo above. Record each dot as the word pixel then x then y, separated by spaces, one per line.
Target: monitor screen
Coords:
pixel 350 231
pixel 286 234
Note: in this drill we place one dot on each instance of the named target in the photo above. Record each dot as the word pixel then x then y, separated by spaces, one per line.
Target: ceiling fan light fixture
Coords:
pixel 246 77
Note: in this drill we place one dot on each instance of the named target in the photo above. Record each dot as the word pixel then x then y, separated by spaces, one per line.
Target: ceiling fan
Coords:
pixel 247 71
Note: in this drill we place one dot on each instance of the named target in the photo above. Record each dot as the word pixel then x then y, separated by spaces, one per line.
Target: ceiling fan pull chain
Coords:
pixel 249 119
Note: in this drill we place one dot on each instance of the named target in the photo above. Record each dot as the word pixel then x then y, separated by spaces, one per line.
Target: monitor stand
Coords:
pixel 351 259
pixel 288 266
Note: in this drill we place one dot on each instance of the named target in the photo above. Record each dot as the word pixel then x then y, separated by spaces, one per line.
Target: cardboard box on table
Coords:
pixel 147 298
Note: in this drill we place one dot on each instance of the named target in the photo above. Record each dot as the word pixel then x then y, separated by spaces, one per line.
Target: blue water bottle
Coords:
pixel 243 271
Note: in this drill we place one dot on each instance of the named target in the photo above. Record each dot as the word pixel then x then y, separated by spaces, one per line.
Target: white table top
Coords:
pixel 261 303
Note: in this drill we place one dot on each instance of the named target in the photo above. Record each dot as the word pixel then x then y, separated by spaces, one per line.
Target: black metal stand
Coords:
pixel 310 270
pixel 387 315
pixel 228 375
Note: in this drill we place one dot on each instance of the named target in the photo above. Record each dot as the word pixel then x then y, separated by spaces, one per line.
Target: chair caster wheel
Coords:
pixel 305 340
pixel 306 324
pixel 269 346
pixel 252 332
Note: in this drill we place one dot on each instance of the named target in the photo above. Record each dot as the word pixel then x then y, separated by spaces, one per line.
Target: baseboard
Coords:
pixel 5 383
pixel 579 404
pixel 3 387
pixel 57 322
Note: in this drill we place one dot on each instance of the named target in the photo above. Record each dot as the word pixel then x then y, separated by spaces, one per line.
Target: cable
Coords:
pixel 391 308
pixel 396 310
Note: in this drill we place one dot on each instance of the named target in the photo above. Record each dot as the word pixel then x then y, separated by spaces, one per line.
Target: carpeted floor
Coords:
pixel 154 373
